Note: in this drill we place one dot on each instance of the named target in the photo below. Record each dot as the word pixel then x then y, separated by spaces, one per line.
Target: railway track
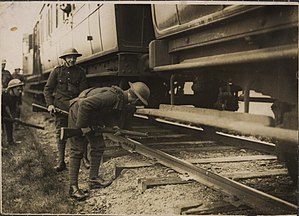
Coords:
pixel 191 170
pixel 244 174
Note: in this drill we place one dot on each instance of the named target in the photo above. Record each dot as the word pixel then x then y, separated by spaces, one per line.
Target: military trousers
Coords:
pixel 8 127
pixel 78 147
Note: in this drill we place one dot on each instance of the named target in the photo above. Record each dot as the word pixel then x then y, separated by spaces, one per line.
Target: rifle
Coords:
pixel 40 108
pixel 66 133
pixel 19 121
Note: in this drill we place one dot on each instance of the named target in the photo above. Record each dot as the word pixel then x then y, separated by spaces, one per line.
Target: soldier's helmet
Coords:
pixel 141 90
pixel 3 61
pixel 14 83
pixel 70 51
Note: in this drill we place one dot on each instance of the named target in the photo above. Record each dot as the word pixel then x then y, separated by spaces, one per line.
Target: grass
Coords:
pixel 29 183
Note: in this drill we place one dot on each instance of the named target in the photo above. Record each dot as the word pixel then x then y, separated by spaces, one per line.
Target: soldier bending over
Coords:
pixel 96 107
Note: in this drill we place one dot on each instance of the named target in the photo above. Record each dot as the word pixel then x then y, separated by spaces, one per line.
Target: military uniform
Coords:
pixel 93 107
pixel 6 77
pixel 22 78
pixel 64 83
pixel 18 76
pixel 9 106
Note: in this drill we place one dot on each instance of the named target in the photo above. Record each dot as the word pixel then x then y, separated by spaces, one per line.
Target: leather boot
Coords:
pixel 77 193
pixel 60 166
pixel 61 153
pixel 86 162
pixel 95 183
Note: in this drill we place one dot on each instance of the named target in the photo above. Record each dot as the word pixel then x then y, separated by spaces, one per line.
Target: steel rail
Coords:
pixel 243 142
pixel 225 123
pixel 264 203
pixel 228 138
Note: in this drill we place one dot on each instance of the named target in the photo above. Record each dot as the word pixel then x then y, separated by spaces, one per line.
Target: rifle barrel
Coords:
pixel 24 123
pixel 62 111
pixel 39 107
pixel 132 133
pixel 36 107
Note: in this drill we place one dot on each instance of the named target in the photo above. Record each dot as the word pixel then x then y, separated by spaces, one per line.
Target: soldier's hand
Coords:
pixel 116 129
pixel 51 109
pixel 86 130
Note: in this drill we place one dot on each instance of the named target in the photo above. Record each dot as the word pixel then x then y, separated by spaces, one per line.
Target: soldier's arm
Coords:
pixel 23 79
pixel 83 81
pixel 9 75
pixel 8 111
pixel 50 87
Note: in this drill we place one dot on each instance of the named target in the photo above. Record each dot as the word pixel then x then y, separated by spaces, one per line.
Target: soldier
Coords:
pixel 6 76
pixel 96 107
pixel 9 106
pixel 65 82
pixel 17 75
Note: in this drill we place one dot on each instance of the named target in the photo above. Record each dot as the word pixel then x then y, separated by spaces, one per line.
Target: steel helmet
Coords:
pixel 14 83
pixel 70 51
pixel 3 61
pixel 141 90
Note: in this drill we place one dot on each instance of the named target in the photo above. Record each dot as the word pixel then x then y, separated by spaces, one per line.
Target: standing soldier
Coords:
pixel 65 82
pixel 6 76
pixel 97 107
pixel 17 75
pixel 9 106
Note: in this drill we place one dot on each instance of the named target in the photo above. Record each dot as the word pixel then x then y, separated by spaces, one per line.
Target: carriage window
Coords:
pixel 49 23
pixel 37 36
pixel 56 15
pixel 41 31
pixel 166 16
pixel 30 41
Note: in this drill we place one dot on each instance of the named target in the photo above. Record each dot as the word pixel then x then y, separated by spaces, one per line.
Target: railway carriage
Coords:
pixel 230 47
pixel 226 51
pixel 113 40
pixel 209 56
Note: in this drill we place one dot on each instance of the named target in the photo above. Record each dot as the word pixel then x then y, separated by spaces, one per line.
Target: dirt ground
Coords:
pixel 125 195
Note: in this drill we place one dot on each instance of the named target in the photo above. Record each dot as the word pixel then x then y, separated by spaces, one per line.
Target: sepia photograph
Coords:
pixel 149 107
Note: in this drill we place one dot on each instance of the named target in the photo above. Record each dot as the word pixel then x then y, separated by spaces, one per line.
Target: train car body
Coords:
pixel 253 47
pixel 226 49
pixel 113 40
pixel 97 31
pixel 220 50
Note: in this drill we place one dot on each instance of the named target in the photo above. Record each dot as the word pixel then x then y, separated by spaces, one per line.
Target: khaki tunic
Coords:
pixel 64 83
